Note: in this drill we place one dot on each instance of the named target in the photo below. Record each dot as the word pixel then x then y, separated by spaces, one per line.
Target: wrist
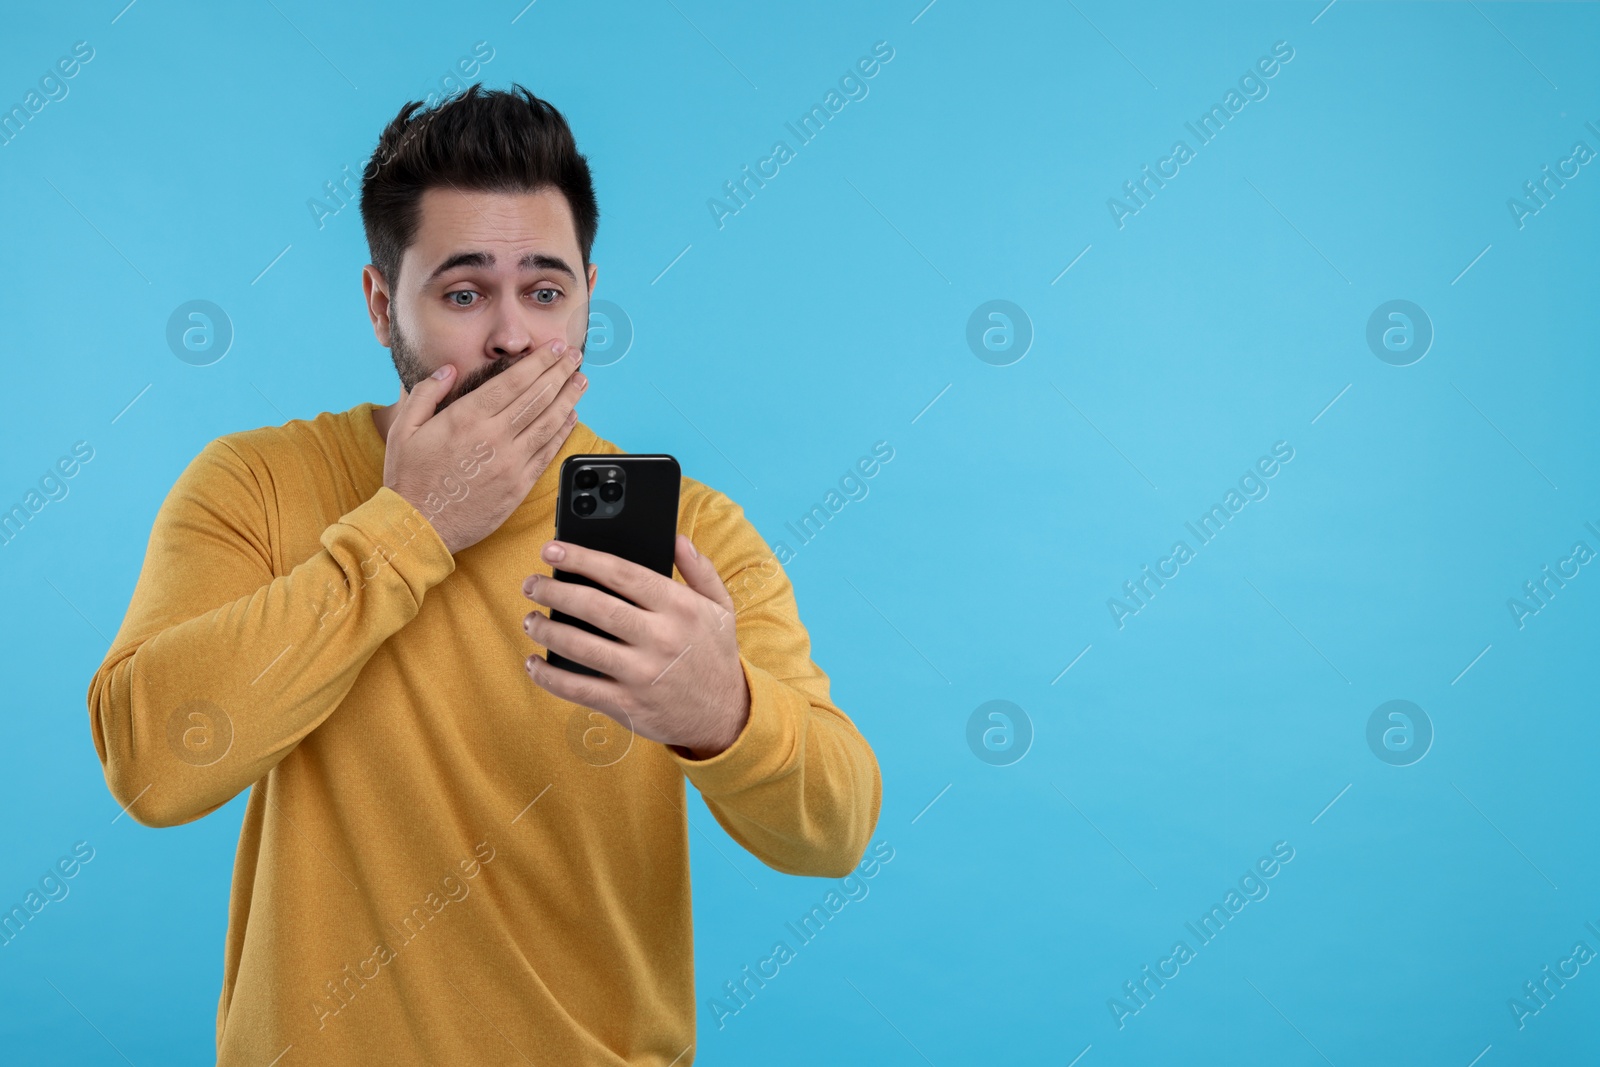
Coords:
pixel 723 738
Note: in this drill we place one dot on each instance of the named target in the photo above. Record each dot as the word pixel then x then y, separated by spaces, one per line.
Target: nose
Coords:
pixel 511 335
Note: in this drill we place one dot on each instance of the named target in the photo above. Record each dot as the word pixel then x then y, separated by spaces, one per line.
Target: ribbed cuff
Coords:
pixel 402 538
pixel 767 746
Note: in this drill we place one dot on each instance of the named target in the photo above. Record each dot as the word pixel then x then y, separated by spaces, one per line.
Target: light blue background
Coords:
pixel 828 315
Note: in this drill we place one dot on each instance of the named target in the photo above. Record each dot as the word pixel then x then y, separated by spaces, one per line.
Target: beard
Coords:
pixel 412 370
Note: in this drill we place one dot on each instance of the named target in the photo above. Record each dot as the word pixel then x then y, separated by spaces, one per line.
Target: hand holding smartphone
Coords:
pixel 623 504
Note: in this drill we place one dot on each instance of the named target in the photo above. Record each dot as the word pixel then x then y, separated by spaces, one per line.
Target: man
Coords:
pixel 452 852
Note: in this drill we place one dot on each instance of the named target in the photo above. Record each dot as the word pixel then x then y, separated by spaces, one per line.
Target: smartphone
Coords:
pixel 623 504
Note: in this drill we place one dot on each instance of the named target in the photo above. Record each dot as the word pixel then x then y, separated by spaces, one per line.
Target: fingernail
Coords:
pixel 554 552
pixel 558 347
pixel 443 372
pixel 575 354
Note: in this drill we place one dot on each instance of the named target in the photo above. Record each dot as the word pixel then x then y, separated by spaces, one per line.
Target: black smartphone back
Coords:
pixel 623 504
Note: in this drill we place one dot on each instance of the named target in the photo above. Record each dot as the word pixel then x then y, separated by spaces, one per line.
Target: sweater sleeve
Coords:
pixel 220 667
pixel 799 788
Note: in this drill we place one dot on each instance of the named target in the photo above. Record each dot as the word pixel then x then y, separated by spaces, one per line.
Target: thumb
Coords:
pixel 700 574
pixel 422 402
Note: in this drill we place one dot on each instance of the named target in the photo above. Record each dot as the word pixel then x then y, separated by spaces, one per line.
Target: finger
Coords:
pixel 611 658
pixel 541 438
pixel 597 607
pixel 700 574
pixel 598 694
pixel 545 454
pixel 420 404
pixel 646 588
pixel 601 694
pixel 515 394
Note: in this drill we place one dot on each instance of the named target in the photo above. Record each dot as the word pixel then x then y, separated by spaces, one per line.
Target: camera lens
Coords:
pixel 611 492
pixel 585 478
pixel 584 504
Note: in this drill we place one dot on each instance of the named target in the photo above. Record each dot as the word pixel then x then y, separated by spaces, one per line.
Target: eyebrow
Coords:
pixel 530 261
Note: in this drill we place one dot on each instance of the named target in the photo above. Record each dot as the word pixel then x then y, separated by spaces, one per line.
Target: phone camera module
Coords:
pixel 597 491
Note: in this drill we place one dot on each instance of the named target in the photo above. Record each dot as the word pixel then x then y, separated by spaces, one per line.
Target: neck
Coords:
pixel 383 418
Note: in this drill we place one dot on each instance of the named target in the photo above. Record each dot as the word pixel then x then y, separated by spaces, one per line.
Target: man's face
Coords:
pixel 489 278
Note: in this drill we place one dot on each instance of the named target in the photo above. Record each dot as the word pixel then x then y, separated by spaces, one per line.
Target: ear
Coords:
pixel 376 292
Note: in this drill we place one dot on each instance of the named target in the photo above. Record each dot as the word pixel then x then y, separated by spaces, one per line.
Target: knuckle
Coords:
pixel 557 421
pixel 663 643
pixel 622 585
pixel 525 414
pixel 628 707
pixel 603 658
pixel 536 440
pixel 578 692
pixel 539 399
pixel 718 617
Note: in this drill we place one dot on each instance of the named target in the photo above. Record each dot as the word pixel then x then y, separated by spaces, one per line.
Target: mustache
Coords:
pixel 476 379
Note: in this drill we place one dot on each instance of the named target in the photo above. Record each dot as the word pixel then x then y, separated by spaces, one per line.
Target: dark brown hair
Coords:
pixel 486 140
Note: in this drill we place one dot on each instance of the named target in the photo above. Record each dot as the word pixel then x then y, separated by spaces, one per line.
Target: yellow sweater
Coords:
pixel 441 862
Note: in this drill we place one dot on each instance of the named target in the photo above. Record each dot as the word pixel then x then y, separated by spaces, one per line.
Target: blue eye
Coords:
pixel 539 297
